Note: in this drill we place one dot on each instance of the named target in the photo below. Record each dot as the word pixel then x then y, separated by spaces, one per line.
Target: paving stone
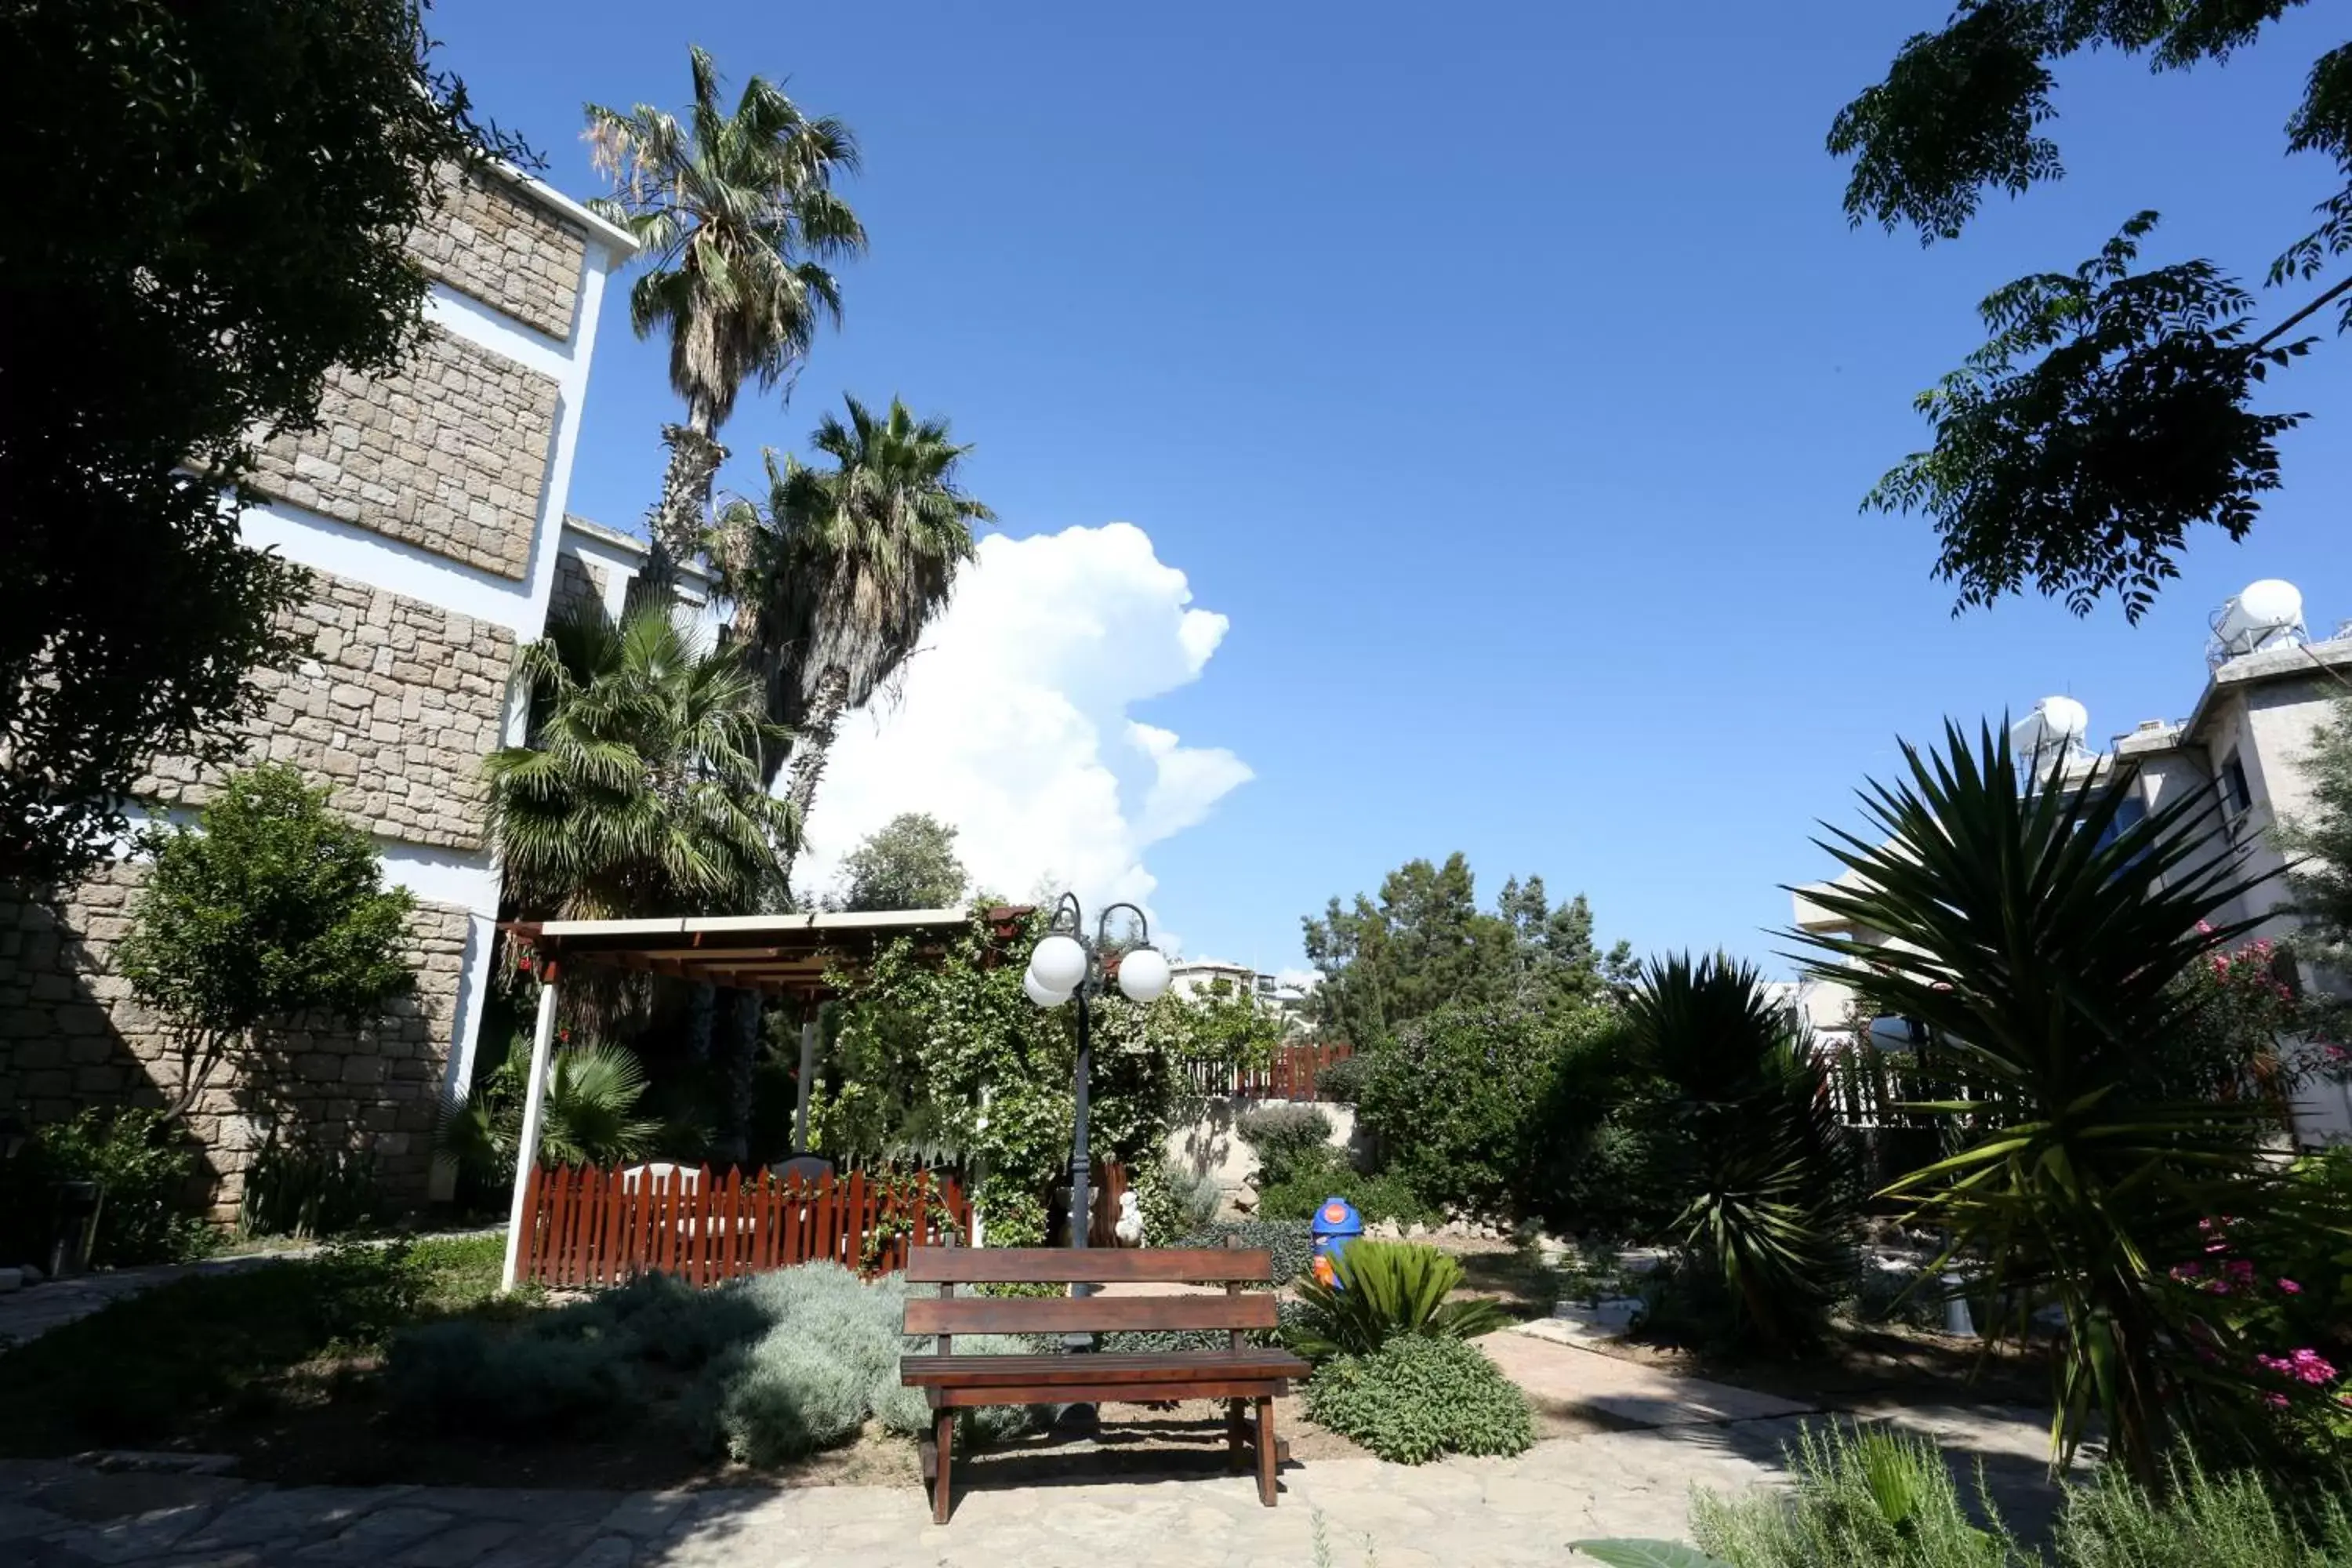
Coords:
pixel 139 1537
pixel 384 1530
pixel 461 1546
pixel 19 1519
pixel 607 1551
pixel 645 1514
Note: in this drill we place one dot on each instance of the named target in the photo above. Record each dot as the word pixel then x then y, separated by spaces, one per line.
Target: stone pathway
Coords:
pixel 29 1312
pixel 1484 1511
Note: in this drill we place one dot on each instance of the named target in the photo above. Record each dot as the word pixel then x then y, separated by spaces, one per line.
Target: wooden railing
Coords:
pixel 1290 1075
pixel 587 1228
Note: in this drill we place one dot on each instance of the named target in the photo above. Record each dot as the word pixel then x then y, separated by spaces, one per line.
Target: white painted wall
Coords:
pixel 1209 1144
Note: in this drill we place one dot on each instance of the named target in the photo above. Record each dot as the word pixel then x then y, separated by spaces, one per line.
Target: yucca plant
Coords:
pixel 1762 1167
pixel 2036 936
pixel 1386 1289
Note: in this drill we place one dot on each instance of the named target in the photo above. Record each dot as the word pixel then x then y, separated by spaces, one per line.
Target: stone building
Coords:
pixel 429 507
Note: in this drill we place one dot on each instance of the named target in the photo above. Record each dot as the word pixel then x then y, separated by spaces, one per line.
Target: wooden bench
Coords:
pixel 1239 1373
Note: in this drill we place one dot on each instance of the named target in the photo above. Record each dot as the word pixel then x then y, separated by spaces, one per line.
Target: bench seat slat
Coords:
pixel 961 1397
pixel 1068 1314
pixel 1092 1266
pixel 1173 1369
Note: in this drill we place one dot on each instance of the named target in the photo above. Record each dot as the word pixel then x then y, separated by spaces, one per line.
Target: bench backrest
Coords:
pixel 1235 1309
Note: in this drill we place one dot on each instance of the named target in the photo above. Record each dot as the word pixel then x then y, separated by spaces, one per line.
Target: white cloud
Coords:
pixel 1010 722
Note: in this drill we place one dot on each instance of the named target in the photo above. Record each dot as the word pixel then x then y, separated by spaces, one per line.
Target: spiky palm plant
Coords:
pixel 847 566
pixel 639 793
pixel 589 1115
pixel 1763 1167
pixel 740 226
pixel 1385 1288
pixel 2036 936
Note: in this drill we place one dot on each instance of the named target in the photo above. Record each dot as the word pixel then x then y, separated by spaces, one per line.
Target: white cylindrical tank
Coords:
pixel 2270 605
pixel 2055 724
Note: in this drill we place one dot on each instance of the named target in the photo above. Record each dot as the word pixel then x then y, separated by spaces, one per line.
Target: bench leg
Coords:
pixel 945 1439
pixel 1266 1454
pixel 1236 1431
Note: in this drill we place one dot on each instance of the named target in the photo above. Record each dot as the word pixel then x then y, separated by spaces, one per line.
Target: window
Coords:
pixel 2236 797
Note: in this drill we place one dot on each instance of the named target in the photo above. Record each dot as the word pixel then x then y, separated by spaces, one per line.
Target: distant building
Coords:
pixel 2269 686
pixel 1199 977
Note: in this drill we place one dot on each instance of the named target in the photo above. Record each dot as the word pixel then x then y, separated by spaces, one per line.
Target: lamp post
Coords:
pixel 1066 964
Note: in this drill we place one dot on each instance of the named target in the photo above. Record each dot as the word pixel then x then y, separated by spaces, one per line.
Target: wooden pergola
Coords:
pixel 785 957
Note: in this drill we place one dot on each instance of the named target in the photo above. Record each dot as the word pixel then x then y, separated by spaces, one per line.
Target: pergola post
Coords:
pixel 534 1109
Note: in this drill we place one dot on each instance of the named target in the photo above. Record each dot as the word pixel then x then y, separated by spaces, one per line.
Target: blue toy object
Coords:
pixel 1336 1224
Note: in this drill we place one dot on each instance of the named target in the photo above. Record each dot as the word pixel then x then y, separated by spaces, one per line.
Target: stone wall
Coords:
pixel 577 583
pixel 71 1035
pixel 396 708
pixel 490 241
pixel 449 453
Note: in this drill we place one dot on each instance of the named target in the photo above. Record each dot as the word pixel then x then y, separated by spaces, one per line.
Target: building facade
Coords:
pixel 2246 745
pixel 428 506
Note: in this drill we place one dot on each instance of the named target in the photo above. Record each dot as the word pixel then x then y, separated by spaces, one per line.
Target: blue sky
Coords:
pixel 1507 377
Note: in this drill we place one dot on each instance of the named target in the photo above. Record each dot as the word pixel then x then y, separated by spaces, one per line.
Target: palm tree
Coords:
pixel 2038 939
pixel 739 219
pixel 639 793
pixel 845 568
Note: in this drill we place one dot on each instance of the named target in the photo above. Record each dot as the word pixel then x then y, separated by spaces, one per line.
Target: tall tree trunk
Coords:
pixel 810 742
pixel 677 520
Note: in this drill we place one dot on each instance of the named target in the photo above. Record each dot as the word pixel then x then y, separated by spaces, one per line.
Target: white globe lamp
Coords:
pixel 1059 963
pixel 1042 994
pixel 1143 973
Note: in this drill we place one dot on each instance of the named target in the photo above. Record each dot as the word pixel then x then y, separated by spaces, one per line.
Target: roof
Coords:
pixel 780 956
pixel 2293 661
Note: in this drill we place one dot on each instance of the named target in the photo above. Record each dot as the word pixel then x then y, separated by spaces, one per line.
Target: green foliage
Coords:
pixel 1174 1202
pixel 640 792
pixel 144 1167
pixel 293 1189
pixel 2109 411
pixel 1426 945
pixel 1418 1396
pixel 1343 1081
pixel 1448 1097
pixel 1758 1163
pixel 1289 1241
pixel 591 1115
pixel 1326 1173
pixel 245 177
pixel 1284 1136
pixel 1386 1289
pixel 149 1365
pixel 907 863
pixel 2086 1171
pixel 1859 1495
pixel 2105 416
pixel 949 1060
pixel 1868 1495
pixel 270 907
pixel 767 1369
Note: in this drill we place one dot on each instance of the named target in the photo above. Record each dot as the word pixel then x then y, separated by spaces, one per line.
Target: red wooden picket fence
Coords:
pixel 586 1228
pixel 1290 1075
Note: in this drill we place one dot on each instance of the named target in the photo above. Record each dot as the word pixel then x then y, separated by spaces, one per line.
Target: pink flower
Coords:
pixel 2312 1367
pixel 2290 1287
pixel 2187 1270
pixel 2275 1401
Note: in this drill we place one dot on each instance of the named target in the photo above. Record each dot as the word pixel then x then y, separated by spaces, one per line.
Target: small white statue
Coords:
pixel 1130 1227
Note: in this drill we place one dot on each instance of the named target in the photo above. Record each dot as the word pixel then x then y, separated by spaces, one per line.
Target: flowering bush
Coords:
pixel 2274 1294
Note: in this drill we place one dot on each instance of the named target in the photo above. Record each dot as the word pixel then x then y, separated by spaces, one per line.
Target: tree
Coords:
pixel 270 907
pixel 639 791
pixel 741 225
pixel 907 863
pixel 844 569
pixel 2110 410
pixel 2320 844
pixel 1426 943
pixel 2040 943
pixel 243 179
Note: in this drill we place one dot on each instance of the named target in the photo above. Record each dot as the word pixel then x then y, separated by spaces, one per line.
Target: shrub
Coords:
pixel 1343 1080
pixel 297 1191
pixel 1290 1241
pixel 1304 1187
pixel 1389 1289
pixel 1174 1201
pixel 2240 1520
pixel 458 1377
pixel 1448 1100
pixel 1284 1137
pixel 142 1165
pixel 1858 1495
pixel 1417 1398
